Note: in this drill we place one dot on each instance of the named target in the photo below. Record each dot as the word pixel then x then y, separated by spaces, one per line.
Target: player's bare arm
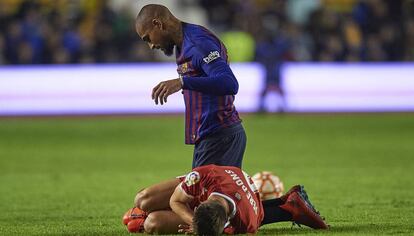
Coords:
pixel 179 204
pixel 164 89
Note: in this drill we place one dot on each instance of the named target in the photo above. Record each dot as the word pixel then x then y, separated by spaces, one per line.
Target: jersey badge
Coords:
pixel 184 68
pixel 192 178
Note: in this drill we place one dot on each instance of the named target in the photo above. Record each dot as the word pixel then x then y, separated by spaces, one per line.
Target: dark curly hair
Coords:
pixel 209 219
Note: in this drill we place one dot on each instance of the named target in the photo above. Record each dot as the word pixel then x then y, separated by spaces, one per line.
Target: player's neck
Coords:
pixel 223 202
pixel 177 33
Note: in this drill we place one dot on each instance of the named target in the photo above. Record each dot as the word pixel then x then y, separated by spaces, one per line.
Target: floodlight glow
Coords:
pixel 105 89
pixel 367 87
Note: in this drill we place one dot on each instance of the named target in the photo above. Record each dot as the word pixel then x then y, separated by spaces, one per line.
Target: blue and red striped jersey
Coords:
pixel 209 84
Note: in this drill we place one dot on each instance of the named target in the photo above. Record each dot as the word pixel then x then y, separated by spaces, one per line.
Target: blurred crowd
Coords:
pixel 267 31
pixel 62 32
pixel 322 30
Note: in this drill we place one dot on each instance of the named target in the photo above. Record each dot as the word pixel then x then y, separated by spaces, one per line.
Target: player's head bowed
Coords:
pixel 209 218
pixel 157 26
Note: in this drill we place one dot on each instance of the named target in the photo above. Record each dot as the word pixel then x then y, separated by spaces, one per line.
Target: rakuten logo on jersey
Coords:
pixel 239 182
pixel 211 57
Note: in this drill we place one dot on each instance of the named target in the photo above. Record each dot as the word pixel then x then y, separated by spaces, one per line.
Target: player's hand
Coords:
pixel 165 89
pixel 186 229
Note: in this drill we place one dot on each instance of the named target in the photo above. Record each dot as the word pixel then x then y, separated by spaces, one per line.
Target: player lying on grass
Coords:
pixel 214 199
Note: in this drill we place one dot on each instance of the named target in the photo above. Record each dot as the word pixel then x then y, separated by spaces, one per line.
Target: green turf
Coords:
pixel 77 176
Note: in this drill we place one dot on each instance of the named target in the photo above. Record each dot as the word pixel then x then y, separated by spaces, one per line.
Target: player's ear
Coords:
pixel 157 23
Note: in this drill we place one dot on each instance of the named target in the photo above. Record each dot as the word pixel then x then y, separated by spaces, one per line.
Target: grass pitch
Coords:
pixel 77 176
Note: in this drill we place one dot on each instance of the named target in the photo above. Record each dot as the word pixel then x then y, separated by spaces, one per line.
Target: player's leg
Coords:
pixel 274 213
pixel 156 197
pixel 162 222
pixel 293 206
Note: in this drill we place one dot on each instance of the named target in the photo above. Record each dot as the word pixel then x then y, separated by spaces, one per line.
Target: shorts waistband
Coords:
pixel 232 129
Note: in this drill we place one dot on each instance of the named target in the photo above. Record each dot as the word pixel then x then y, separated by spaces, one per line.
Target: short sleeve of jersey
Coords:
pixel 200 181
pixel 207 55
pixel 191 184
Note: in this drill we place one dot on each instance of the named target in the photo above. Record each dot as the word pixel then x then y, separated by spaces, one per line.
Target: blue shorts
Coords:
pixel 224 148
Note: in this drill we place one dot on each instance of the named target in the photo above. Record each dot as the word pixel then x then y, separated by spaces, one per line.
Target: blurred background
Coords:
pixel 348 63
pixel 102 31
pixel 269 34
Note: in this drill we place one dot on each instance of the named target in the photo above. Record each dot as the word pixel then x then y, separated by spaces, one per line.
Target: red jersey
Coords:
pixel 235 186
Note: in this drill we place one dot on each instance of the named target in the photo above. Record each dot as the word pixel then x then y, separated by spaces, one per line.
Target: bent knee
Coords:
pixel 142 200
pixel 152 224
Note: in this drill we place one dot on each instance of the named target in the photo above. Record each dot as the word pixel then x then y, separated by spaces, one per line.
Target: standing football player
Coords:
pixel 212 199
pixel 208 84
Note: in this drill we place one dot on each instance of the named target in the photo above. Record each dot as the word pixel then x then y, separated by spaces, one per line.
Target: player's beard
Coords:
pixel 169 49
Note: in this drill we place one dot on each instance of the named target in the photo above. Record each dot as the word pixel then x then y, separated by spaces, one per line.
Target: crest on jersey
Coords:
pixel 192 178
pixel 184 68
